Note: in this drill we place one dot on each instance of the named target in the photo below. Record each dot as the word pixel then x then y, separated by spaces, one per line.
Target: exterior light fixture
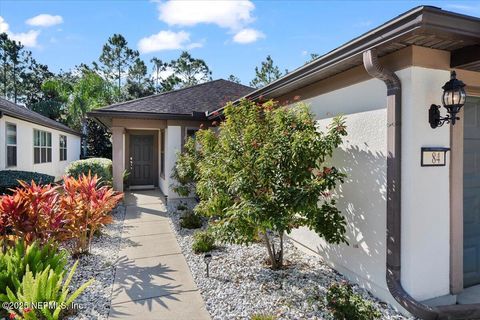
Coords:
pixel 207 258
pixel 453 100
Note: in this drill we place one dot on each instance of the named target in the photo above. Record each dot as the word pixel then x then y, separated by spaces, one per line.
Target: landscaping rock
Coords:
pixel 100 264
pixel 240 285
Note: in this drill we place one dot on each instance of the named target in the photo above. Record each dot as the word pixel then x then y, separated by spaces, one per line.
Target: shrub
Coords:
pixel 32 213
pixel 263 317
pixel 265 171
pixel 191 221
pixel 182 207
pixel 46 286
pixel 203 241
pixel 347 305
pixel 43 213
pixel 87 207
pixel 101 167
pixel 9 179
pixel 36 258
pixel 184 171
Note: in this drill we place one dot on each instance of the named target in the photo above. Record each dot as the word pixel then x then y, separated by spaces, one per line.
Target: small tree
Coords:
pixel 263 173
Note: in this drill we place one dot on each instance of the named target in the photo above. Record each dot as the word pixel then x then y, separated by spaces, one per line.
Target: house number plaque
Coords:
pixel 434 157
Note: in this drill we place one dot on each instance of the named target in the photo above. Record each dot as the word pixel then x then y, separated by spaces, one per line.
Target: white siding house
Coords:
pixel 32 142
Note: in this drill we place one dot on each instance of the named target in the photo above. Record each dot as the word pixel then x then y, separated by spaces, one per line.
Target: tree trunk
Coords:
pixel 275 256
pixel 15 82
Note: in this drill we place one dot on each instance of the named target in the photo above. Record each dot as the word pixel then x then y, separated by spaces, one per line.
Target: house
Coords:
pixel 32 142
pixel 413 216
pixel 411 199
pixel 147 133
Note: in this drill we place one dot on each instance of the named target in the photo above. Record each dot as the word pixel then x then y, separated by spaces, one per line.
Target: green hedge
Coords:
pixel 102 167
pixel 9 179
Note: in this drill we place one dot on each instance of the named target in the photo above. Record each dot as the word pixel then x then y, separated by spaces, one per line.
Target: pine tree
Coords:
pixel 267 73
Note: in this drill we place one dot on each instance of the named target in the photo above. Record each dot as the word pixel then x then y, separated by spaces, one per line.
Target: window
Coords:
pixel 162 153
pixel 42 146
pixel 11 145
pixel 191 133
pixel 63 148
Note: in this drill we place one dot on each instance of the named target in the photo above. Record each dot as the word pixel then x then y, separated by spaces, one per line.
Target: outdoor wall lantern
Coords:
pixel 207 258
pixel 453 100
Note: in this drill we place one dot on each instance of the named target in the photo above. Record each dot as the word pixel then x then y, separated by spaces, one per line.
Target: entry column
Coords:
pixel 118 156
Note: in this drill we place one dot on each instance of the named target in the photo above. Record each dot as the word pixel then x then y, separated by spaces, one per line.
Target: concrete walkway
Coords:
pixel 152 279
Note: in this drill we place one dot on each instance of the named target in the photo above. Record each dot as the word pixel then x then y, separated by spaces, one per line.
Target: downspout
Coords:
pixel 394 152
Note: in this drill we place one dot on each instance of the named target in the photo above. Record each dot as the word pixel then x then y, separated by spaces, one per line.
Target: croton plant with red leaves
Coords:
pixel 74 210
pixel 87 207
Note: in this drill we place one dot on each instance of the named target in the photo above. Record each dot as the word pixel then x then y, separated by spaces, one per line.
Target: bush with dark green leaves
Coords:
pixel 344 304
pixel 203 241
pixel 191 221
pixel 102 167
pixel 9 179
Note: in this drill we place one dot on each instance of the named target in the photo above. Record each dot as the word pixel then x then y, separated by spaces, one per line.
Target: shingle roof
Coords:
pixel 203 97
pixel 13 110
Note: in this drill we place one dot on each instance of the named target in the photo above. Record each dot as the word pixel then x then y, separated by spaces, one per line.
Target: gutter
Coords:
pixel 199 116
pixel 394 213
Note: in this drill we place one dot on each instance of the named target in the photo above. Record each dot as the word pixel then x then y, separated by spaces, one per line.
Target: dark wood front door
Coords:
pixel 142 160
pixel 471 193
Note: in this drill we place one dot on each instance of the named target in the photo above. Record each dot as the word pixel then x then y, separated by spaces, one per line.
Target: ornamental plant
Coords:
pixel 15 261
pixel 344 304
pixel 264 172
pixel 48 286
pixel 32 213
pixel 87 207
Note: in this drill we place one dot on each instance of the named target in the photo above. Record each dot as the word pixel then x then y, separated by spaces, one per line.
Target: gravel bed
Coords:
pixel 94 302
pixel 240 285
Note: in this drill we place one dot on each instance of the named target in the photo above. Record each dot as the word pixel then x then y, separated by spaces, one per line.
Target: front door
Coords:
pixel 141 160
pixel 471 193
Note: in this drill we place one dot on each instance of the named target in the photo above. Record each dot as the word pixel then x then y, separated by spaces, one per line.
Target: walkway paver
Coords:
pixel 152 279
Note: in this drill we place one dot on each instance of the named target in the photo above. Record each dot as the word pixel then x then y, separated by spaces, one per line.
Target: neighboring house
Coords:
pixel 432 253
pixel 147 133
pixel 32 142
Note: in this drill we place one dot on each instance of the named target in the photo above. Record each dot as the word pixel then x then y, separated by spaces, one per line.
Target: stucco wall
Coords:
pixel 425 193
pixel 25 148
pixel 362 197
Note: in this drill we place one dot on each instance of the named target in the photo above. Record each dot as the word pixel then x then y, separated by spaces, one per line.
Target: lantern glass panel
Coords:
pixel 454 97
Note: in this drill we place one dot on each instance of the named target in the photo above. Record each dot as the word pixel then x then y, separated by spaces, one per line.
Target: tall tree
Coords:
pixel 32 80
pixel 267 73
pixel 21 75
pixel 137 71
pixel 116 58
pixel 4 44
pixel 234 78
pixel 158 67
pixel 138 84
pixel 17 58
pixel 188 71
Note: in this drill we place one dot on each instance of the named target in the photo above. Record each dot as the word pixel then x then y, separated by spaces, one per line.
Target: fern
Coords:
pixel 15 262
pixel 46 286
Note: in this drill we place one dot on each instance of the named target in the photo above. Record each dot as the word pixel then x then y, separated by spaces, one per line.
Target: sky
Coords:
pixel 231 36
